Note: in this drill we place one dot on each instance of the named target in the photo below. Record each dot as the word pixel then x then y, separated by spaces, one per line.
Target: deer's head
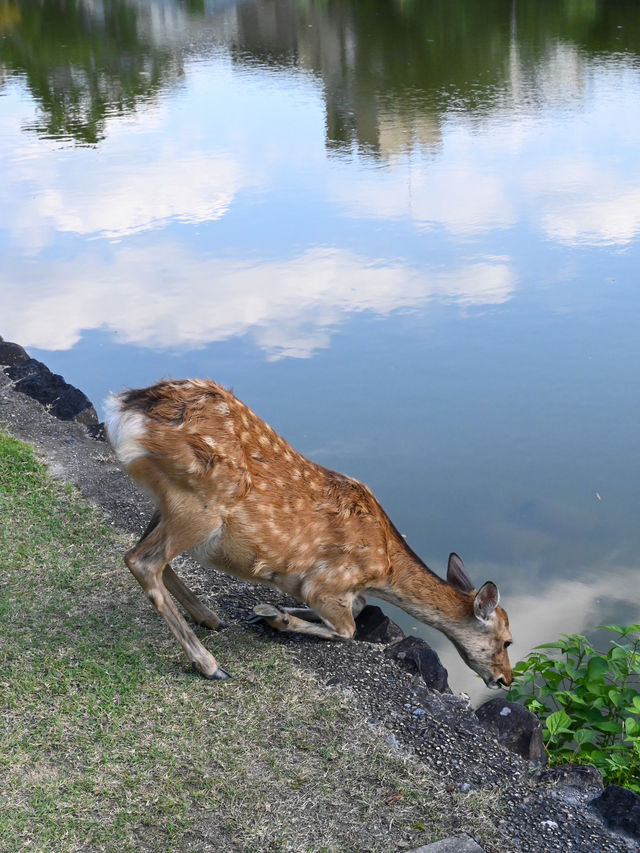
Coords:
pixel 484 637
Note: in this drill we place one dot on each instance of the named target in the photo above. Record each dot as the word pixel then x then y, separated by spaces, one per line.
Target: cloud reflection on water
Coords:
pixel 477 185
pixel 601 212
pixel 290 307
pixel 458 197
pixel 122 202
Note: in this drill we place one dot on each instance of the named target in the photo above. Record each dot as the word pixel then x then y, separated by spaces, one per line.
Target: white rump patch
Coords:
pixel 125 430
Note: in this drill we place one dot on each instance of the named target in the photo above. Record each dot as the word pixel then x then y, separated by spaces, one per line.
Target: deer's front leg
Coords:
pixel 309 615
pixel 336 613
pixel 280 620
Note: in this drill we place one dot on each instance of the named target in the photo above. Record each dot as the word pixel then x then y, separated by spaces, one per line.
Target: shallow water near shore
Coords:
pixel 408 236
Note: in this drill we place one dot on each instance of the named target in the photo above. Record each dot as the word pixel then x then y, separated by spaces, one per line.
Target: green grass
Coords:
pixel 109 743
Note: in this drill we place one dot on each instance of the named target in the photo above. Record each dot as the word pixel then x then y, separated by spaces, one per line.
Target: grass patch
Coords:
pixel 108 742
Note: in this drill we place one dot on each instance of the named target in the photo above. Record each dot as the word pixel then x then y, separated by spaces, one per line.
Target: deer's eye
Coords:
pixel 507 644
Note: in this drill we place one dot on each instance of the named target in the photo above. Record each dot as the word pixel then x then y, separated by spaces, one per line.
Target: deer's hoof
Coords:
pixel 267 611
pixel 219 625
pixel 220 674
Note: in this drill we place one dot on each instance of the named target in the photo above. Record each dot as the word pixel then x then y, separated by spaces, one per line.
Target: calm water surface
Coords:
pixel 407 234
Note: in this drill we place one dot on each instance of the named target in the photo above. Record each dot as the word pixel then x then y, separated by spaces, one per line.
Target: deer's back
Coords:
pixel 203 451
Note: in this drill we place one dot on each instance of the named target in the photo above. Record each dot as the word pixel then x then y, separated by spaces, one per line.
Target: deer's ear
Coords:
pixel 486 601
pixel 456 574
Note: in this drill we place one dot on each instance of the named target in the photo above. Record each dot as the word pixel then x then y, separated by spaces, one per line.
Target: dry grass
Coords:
pixel 108 742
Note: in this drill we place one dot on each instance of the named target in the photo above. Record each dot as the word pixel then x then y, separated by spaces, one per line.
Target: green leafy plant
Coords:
pixel 588 701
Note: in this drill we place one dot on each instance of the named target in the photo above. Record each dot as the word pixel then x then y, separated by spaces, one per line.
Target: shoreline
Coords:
pixel 538 815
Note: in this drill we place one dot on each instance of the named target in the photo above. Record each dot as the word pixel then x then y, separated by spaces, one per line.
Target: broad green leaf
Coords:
pixel 599 755
pixel 615 697
pixel 591 715
pixel 571 672
pixel 558 722
pixel 597 668
pixel 554 678
pixel 617 629
pixel 608 726
pixel 583 736
pixel 632 727
pixel 618 653
pixel 573 698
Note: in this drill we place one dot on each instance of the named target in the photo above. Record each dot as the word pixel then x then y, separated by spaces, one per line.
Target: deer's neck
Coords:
pixel 414 588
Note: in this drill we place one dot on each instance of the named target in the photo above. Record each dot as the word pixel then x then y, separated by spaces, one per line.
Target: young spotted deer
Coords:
pixel 234 494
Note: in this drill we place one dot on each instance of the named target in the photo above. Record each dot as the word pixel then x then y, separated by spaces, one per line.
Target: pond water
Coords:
pixel 406 233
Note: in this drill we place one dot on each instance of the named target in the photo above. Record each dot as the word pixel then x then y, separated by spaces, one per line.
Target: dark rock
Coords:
pixel 65 402
pixel 416 655
pixel 22 369
pixel 97 431
pixel 573 782
pixel 11 354
pixel 515 728
pixel 620 809
pixel 372 626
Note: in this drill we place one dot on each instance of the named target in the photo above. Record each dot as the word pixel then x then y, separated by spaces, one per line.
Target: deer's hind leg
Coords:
pixel 148 561
pixel 198 611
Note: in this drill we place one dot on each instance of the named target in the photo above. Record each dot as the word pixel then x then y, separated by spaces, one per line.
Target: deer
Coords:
pixel 237 497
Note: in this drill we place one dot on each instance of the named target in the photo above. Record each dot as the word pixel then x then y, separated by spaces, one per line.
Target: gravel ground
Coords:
pixel 537 816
